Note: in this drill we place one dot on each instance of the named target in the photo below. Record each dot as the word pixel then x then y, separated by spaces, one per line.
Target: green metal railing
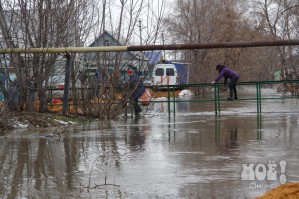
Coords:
pixel 217 99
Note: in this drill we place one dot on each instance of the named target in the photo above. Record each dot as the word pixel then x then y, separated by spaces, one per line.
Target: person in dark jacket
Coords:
pixel 137 89
pixel 228 74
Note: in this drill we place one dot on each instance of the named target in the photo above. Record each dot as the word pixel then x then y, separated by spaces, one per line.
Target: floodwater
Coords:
pixel 195 154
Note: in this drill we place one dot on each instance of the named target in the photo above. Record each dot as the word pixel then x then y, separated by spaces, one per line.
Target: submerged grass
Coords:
pixel 13 120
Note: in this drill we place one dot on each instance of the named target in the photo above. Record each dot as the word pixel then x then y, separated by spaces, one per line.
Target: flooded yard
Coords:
pixel 237 154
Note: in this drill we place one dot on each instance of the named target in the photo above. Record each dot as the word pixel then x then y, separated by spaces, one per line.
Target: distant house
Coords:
pixel 127 60
pixel 154 57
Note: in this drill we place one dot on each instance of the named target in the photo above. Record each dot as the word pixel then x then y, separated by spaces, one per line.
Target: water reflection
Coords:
pixel 230 133
pixel 137 133
pixel 259 127
pixel 192 155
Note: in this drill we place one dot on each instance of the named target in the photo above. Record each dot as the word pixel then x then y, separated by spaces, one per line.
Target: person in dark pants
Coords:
pixel 137 89
pixel 228 74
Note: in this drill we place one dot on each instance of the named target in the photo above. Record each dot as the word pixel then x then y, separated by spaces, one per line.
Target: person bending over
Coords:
pixel 228 74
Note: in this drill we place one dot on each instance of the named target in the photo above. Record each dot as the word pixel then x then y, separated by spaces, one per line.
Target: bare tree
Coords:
pixel 279 19
pixel 217 21
pixel 34 24
pixel 45 24
pixel 121 21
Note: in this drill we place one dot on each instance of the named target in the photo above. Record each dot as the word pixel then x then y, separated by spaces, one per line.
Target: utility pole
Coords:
pixel 140 25
pixel 163 43
pixel 142 53
pixel 103 28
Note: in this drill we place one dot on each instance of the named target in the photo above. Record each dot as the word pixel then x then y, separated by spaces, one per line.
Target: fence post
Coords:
pixel 258 98
pixel 173 95
pixel 216 99
pixel 168 94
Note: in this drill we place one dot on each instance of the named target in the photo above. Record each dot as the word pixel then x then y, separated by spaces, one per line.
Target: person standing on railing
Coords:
pixel 228 74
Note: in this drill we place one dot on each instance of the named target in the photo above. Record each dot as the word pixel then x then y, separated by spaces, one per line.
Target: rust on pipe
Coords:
pixel 215 45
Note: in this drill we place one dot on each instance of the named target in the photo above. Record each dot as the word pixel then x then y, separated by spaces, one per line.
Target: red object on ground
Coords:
pixel 145 99
pixel 56 101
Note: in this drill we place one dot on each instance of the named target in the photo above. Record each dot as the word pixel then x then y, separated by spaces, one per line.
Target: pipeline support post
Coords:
pixel 66 84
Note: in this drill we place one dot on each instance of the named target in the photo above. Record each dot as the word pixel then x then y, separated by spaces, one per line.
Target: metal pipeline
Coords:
pixel 241 44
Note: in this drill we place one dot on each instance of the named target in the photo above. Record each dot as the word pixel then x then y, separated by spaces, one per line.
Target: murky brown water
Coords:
pixel 194 155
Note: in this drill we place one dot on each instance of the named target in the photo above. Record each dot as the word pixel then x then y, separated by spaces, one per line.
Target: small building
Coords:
pixel 111 61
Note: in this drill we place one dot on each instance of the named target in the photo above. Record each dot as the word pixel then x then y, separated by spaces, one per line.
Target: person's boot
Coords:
pixel 230 94
pixel 235 94
pixel 137 109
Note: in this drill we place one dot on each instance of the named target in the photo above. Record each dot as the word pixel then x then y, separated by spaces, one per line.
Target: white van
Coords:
pixel 165 74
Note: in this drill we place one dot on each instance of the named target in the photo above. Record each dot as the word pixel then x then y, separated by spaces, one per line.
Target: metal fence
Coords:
pixel 289 85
